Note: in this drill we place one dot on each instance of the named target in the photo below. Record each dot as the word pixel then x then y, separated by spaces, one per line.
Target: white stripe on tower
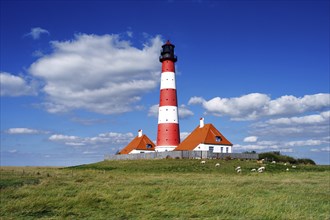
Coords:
pixel 168 134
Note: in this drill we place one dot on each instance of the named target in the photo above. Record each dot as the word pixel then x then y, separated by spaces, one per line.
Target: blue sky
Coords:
pixel 80 78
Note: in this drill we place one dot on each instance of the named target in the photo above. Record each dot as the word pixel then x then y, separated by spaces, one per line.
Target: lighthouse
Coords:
pixel 168 134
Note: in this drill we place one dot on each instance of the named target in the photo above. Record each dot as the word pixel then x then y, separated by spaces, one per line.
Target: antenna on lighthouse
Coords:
pixel 168 134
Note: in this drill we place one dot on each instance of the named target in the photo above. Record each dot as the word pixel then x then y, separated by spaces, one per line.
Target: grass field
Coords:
pixel 165 189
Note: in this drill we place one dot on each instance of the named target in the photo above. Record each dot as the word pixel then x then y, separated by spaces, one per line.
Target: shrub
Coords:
pixel 306 161
pixel 270 156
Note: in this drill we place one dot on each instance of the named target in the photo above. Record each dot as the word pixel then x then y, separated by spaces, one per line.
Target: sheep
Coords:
pixel 238 168
pixel 273 162
pixel 294 167
pixel 284 164
pixel 261 169
pixel 253 170
pixel 203 162
pixel 287 169
pixel 217 164
pixel 239 171
pixel 260 161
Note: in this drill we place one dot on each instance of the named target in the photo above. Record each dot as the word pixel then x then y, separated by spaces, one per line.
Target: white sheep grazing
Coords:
pixel 217 165
pixel 261 169
pixel 284 164
pixel 237 168
pixel 294 167
pixel 253 170
pixel 287 169
pixel 239 171
pixel 273 162
pixel 203 162
pixel 260 161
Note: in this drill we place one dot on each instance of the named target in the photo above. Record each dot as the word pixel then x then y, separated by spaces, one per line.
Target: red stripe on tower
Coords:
pixel 168 134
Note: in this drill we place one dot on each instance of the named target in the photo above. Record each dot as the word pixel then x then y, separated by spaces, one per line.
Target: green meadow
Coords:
pixel 166 189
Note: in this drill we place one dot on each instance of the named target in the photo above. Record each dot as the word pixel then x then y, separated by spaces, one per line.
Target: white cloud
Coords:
pixel 304 126
pixel 282 145
pixel 183 111
pixel 101 139
pixel 25 131
pixel 36 32
pixel 184 135
pixel 322 118
pixel 153 111
pixel 238 147
pixel 12 85
pixel 102 74
pixel 323 149
pixel 326 149
pixel 304 143
pixel 251 139
pixel 256 105
pixel 287 150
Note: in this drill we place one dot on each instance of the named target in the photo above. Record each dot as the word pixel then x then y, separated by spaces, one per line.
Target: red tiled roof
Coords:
pixel 138 143
pixel 204 135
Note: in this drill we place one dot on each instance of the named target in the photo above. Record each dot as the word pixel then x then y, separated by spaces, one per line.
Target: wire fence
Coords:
pixel 182 155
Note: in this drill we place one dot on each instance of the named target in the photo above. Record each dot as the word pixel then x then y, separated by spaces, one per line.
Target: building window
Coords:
pixel 227 149
pixel 148 146
pixel 211 148
pixel 221 149
pixel 218 138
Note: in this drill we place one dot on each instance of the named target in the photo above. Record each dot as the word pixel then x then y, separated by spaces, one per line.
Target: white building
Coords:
pixel 206 138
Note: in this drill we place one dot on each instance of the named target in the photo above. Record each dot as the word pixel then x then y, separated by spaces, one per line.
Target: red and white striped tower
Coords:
pixel 168 134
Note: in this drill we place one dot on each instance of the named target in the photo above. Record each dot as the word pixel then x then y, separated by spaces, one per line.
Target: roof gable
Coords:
pixel 207 135
pixel 138 143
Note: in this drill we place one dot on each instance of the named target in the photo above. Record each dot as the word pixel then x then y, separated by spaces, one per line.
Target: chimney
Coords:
pixel 140 133
pixel 201 122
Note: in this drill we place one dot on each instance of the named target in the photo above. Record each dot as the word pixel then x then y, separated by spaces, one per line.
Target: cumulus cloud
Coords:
pixel 183 111
pixel 12 85
pixel 323 149
pixel 153 111
pixel 102 74
pixel 256 105
pixel 304 143
pixel 304 126
pixel 184 135
pixel 25 131
pixel 36 32
pixel 101 139
pixel 251 139
pixel 322 118
pixel 281 145
pixel 239 147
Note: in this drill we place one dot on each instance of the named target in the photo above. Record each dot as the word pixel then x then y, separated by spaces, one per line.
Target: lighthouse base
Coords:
pixel 164 148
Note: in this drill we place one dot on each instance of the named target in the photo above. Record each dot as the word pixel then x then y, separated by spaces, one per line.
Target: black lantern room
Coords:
pixel 167 53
